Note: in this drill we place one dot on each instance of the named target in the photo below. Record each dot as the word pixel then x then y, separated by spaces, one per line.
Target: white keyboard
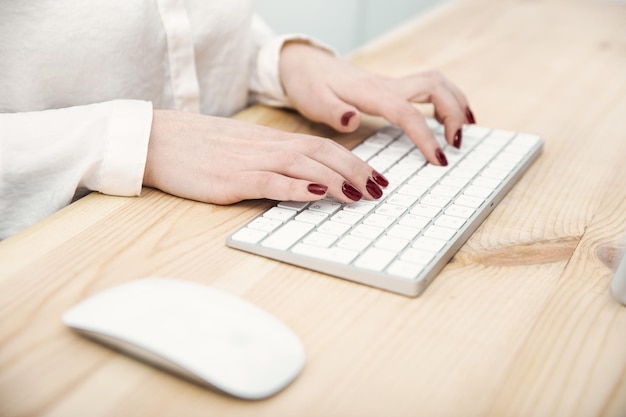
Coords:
pixel 400 242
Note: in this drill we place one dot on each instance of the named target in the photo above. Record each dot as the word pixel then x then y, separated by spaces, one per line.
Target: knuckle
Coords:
pixel 406 112
pixel 318 145
pixel 436 77
pixel 293 190
pixel 288 158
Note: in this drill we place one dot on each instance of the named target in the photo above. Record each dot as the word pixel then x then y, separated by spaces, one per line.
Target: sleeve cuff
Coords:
pixel 265 84
pixel 126 148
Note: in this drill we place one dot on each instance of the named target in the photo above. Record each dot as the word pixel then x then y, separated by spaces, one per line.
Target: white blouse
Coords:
pixel 79 79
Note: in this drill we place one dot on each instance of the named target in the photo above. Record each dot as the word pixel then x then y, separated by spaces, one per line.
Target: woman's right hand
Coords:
pixel 222 161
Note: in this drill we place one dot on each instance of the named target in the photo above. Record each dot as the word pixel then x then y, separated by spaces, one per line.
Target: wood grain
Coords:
pixel 519 323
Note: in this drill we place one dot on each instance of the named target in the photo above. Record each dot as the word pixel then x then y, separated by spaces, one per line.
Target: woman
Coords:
pixel 110 95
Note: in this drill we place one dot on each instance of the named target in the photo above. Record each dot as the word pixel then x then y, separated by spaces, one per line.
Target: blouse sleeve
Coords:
pixel 46 156
pixel 265 84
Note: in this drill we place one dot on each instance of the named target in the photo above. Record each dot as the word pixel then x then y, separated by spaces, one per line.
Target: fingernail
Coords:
pixel 470 116
pixel 441 157
pixel 380 179
pixel 345 119
pixel 458 137
pixel 351 191
pixel 317 189
pixel 373 189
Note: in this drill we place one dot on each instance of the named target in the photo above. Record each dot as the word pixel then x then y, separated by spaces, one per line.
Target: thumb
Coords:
pixel 324 106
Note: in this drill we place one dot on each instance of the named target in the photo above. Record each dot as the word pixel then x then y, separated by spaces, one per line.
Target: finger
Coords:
pixel 323 161
pixel 313 158
pixel 449 102
pixel 264 184
pixel 380 101
pixel 462 99
pixel 450 114
pixel 415 127
pixel 330 155
pixel 324 106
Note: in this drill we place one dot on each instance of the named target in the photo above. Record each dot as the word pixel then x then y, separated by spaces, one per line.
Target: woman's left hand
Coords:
pixel 327 89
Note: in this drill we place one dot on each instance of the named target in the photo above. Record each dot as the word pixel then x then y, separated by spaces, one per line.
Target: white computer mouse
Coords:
pixel 199 332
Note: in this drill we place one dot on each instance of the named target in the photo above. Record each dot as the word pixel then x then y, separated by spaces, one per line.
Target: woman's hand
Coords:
pixel 223 161
pixel 326 89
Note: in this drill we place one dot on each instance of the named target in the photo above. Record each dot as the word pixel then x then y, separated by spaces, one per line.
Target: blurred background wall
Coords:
pixel 343 24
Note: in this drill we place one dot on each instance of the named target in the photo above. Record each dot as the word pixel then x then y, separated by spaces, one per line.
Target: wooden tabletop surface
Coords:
pixel 519 323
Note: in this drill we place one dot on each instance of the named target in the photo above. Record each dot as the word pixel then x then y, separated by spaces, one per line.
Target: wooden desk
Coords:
pixel 520 323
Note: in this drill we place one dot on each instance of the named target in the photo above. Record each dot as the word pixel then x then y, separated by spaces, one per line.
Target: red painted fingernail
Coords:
pixel 351 191
pixel 345 119
pixel 317 189
pixel 441 157
pixel 373 189
pixel 458 137
pixel 470 116
pixel 380 179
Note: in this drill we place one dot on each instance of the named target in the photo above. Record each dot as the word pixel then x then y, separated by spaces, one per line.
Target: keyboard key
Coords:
pixel 323 240
pixel 456 182
pixel 405 269
pixel 432 171
pixel 354 243
pixel 438 232
pixel 334 254
pixel 411 190
pixel 379 220
pixel 450 221
pixel 381 163
pixel 249 235
pixel 310 216
pixel 445 191
pixel 429 244
pixel 460 211
pixel 420 181
pixel 325 206
pixel 375 259
pixel 279 213
pixel 264 224
pixel 417 256
pixel 365 151
pixel 400 173
pixel 474 131
pixel 402 200
pixel 435 200
pixel 390 210
pixel 466 171
pixel 379 140
pixel 334 228
pixel 496 173
pixel 392 243
pixel 486 182
pixel 368 232
pixel 287 235
pixel 404 232
pixel 362 207
pixel 425 211
pixel 347 217
pixel 469 201
pixel 477 191
pixel 293 205
pixel 414 220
